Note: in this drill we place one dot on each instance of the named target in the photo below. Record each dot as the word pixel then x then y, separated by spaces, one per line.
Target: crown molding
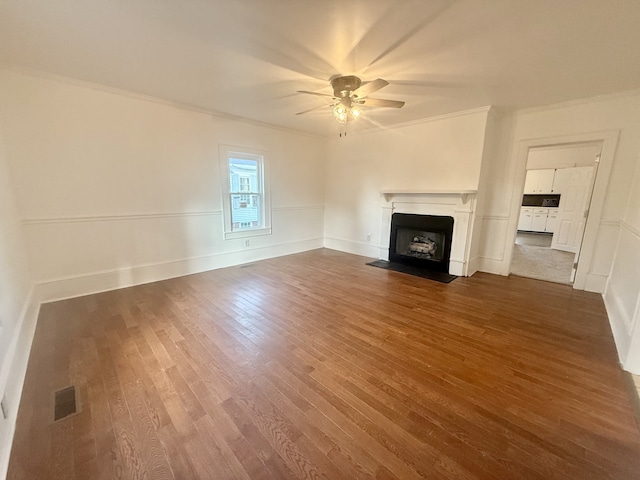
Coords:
pixel 489 109
pixel 580 101
pixel 150 98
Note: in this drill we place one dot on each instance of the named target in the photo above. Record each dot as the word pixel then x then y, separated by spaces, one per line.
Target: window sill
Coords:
pixel 254 232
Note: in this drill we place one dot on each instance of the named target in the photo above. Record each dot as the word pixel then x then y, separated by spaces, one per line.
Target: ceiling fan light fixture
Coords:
pixel 350 95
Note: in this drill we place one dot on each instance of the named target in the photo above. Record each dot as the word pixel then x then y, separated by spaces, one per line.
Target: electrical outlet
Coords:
pixel 5 408
pixel 368 237
pixel 247 242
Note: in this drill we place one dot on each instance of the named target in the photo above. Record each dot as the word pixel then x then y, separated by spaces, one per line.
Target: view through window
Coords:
pixel 246 199
pixel 245 191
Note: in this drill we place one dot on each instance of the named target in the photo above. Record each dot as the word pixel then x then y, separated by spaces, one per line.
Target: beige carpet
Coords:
pixel 542 263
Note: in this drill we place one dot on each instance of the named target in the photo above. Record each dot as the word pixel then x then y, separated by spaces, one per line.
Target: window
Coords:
pixel 245 192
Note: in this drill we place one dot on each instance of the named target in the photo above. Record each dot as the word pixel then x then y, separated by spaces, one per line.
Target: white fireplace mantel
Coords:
pixel 459 204
pixel 388 193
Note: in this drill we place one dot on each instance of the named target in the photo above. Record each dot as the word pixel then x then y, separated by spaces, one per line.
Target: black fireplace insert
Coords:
pixel 422 241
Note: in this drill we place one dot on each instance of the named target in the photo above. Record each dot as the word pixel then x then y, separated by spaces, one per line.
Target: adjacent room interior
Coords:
pixel 190 193
pixel 555 207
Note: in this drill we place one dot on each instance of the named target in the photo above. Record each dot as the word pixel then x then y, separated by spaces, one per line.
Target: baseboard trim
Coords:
pixel 474 266
pixel 595 283
pixel 457 267
pixel 620 325
pixel 351 246
pixel 13 373
pixel 102 281
pixel 491 265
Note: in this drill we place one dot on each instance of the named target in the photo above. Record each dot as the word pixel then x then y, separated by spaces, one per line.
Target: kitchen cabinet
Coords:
pixel 526 217
pixel 539 220
pixel 533 219
pixel 539 181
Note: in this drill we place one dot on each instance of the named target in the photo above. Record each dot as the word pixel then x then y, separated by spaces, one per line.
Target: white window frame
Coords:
pixel 225 153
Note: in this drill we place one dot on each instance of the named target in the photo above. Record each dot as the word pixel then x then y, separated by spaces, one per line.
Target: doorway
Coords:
pixel 554 210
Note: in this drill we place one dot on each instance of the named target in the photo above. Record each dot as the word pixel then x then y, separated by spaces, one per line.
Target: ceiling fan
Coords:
pixel 349 95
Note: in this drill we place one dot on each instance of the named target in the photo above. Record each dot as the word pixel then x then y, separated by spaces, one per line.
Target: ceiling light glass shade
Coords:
pixel 345 113
pixel 341 113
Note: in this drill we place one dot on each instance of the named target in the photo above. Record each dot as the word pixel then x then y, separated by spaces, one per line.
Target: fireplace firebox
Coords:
pixel 422 241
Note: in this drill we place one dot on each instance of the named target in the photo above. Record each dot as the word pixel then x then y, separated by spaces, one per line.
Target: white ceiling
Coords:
pixel 249 57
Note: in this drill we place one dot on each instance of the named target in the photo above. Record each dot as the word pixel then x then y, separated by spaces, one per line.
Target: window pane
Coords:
pixel 243 175
pixel 245 211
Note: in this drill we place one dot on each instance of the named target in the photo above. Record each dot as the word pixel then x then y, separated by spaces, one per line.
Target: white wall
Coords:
pixel 622 296
pixel 114 189
pixel 18 310
pixel 442 153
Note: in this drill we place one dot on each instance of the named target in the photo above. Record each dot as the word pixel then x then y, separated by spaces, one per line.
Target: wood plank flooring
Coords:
pixel 316 366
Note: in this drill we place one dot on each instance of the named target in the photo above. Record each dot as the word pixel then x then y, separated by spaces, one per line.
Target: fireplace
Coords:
pixel 458 205
pixel 422 241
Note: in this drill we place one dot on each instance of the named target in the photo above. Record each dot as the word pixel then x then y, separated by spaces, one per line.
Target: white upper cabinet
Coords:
pixel 531 182
pixel 539 181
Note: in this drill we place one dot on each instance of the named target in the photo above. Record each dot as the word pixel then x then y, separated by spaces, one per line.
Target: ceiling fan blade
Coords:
pixel 315 93
pixel 370 87
pixel 312 109
pixel 381 102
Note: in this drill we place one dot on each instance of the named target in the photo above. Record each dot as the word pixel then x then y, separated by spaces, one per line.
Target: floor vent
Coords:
pixel 65 403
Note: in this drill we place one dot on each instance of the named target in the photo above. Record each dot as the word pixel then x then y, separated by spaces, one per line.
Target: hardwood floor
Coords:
pixel 316 366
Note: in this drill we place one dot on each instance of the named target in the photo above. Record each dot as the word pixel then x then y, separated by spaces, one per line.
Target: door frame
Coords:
pixel 609 141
